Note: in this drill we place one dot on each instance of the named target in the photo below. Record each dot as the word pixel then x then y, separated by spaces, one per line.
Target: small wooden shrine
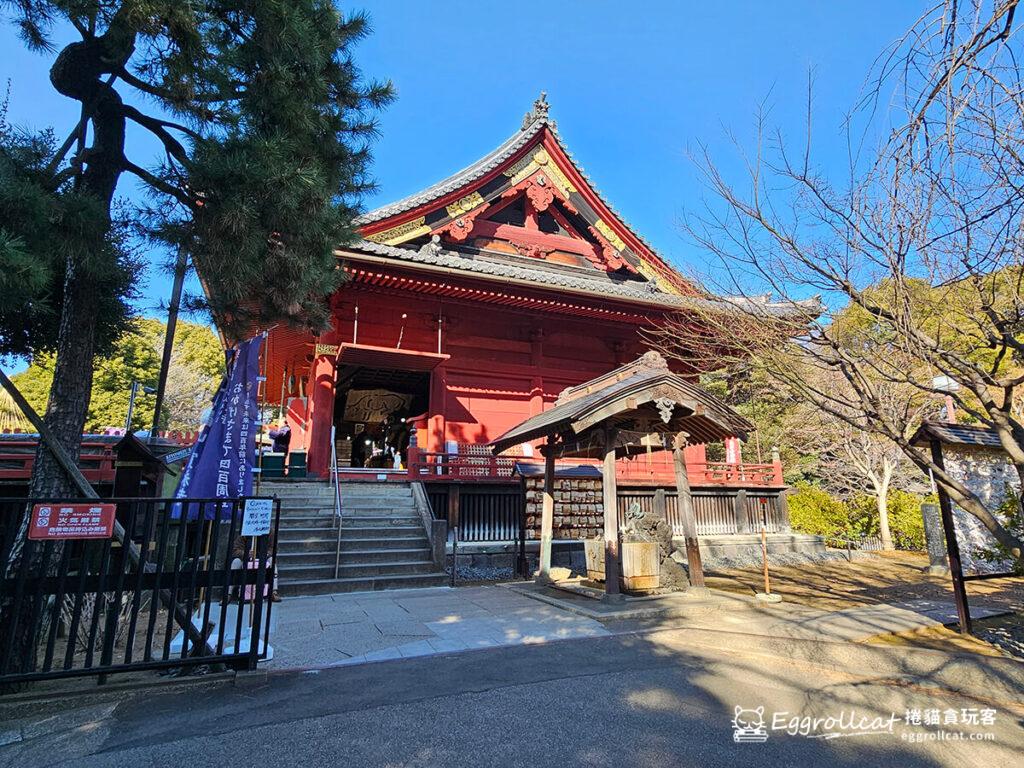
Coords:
pixel 635 408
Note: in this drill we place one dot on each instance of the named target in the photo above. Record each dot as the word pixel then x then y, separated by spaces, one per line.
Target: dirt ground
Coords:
pixel 882 577
pixel 886 577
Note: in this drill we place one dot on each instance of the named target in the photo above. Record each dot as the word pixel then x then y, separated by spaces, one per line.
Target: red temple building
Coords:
pixel 469 307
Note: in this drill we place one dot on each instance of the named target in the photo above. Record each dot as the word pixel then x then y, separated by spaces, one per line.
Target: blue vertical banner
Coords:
pixel 221 465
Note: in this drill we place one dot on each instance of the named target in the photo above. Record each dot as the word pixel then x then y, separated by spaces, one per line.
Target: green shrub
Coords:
pixel 905 522
pixel 815 511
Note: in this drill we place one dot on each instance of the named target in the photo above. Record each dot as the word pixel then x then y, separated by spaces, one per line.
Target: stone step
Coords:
pixel 352 521
pixel 322 489
pixel 306 521
pixel 308 506
pixel 354 570
pixel 385 542
pixel 297 489
pixel 312 542
pixel 363 490
pixel 299 533
pixel 361 531
pixel 355 557
pixel 328 586
pixel 383 501
pixel 383 514
pixel 383 521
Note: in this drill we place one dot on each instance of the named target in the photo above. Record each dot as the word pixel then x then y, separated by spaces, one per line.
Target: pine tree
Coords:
pixel 265 123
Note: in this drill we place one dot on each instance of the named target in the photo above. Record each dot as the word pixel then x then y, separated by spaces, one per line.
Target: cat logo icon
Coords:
pixel 748 726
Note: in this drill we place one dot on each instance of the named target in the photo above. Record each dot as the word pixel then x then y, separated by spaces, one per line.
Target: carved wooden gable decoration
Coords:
pixel 526 199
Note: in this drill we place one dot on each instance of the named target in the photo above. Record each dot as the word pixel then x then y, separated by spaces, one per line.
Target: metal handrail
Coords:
pixel 337 501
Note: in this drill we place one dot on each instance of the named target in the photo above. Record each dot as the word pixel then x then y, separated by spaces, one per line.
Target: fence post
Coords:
pixel 455 552
pixel 257 601
pixel 412 456
pixel 453 506
pixel 523 565
pixel 739 511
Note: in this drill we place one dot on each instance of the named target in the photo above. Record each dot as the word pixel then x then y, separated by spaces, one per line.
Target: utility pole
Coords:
pixel 131 408
pixel 172 322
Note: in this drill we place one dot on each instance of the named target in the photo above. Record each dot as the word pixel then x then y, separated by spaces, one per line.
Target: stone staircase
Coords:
pixel 383 541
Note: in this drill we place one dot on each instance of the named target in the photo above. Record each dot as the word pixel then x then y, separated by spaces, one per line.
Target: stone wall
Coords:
pixel 579 511
pixel 987 472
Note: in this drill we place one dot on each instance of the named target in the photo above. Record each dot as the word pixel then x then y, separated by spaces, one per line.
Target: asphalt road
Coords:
pixel 624 700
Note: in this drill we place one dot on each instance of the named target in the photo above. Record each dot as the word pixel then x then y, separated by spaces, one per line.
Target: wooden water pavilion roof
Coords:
pixel 643 401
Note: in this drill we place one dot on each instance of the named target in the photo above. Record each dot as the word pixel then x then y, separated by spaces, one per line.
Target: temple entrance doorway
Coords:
pixel 373 411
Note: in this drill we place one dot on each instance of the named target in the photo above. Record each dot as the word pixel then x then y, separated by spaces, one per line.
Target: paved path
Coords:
pixel 657 700
pixel 334 630
pixel 727 611
pixel 329 630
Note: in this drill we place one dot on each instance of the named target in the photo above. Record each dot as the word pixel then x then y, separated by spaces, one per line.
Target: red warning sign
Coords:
pixel 72 521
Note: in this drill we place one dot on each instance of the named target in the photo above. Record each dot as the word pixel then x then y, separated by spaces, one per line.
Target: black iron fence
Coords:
pixel 485 513
pixel 177 585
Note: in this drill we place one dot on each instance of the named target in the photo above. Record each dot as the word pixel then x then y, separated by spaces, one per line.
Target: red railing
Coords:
pixel 720 473
pixel 17 457
pixel 96 459
pixel 699 474
pixel 428 466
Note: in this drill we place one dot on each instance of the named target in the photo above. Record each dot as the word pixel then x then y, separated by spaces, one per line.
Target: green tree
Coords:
pixel 264 123
pixel 197 364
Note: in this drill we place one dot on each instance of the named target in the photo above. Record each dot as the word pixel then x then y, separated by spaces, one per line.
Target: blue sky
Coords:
pixel 632 86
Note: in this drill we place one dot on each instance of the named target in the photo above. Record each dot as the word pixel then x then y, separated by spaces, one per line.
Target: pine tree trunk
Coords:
pixel 76 73
pixel 71 390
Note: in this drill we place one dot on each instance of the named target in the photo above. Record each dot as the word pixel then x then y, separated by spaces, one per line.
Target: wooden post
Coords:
pixel 453 505
pixel 547 513
pixel 611 521
pixel 956 569
pixel 686 515
pixel 764 561
pixel 739 511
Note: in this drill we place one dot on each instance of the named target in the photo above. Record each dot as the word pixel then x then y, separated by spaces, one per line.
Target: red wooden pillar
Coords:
pixel 321 414
pixel 537 361
pixel 437 409
pixel 733 452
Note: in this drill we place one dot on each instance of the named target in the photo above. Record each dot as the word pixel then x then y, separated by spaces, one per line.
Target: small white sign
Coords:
pixel 256 517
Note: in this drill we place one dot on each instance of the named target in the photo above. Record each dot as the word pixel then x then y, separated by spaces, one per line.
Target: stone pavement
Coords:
pixel 353 628
pixel 330 630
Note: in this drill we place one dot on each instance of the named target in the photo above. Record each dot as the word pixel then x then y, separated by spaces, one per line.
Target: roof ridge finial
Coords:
pixel 539 111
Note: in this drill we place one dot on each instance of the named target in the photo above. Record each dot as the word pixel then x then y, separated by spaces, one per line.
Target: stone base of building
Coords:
pixel 564 554
pixel 748 546
pixel 569 553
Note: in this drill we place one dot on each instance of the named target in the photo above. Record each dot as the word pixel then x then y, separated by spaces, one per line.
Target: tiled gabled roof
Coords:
pixel 458 180
pixel 533 122
pixel 957 434
pixel 432 255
